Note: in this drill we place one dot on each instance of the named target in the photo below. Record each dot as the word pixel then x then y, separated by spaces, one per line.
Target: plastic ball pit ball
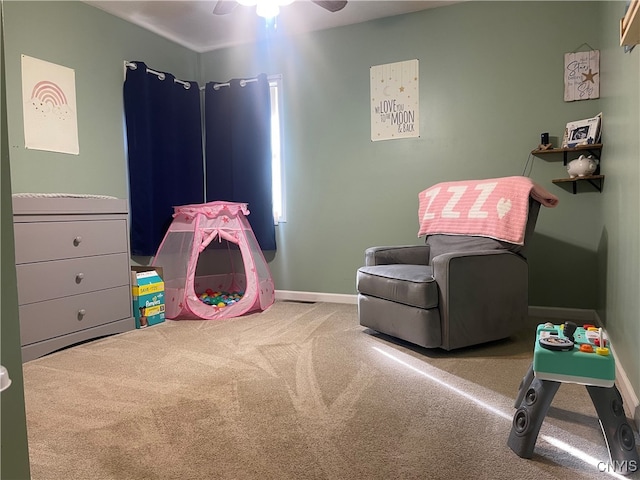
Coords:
pixel 220 299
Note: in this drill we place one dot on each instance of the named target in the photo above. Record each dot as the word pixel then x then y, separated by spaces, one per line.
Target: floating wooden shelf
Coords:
pixel 630 25
pixel 567 152
pixel 592 179
pixel 592 149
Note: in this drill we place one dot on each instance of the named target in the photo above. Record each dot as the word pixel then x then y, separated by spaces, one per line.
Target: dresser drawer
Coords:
pixel 53 318
pixel 41 241
pixel 62 278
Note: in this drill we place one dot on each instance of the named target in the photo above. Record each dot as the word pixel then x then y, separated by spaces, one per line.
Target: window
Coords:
pixel 277 167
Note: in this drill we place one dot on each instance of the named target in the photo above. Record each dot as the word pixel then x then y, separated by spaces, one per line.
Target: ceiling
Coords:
pixel 193 24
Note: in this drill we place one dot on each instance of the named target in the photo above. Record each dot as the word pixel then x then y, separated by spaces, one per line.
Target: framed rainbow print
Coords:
pixel 49 106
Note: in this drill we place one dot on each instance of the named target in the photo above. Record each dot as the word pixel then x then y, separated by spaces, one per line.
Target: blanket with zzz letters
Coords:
pixel 493 207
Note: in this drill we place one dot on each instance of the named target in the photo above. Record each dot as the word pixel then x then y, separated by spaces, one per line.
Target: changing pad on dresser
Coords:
pixel 62 195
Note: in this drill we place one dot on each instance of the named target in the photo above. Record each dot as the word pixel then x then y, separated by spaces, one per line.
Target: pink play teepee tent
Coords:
pixel 212 265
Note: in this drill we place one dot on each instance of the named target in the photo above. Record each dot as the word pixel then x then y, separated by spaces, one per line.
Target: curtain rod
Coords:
pixel 160 75
pixel 243 82
pixel 187 85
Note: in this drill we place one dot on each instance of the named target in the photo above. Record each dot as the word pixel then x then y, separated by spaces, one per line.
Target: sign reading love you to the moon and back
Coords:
pixel 395 101
pixel 496 208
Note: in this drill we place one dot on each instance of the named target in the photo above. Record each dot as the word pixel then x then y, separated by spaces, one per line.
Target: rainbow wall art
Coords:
pixel 49 106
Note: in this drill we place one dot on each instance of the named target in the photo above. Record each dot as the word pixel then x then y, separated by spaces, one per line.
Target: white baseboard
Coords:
pixel 544 312
pixel 316 297
pixel 580 314
pixel 629 397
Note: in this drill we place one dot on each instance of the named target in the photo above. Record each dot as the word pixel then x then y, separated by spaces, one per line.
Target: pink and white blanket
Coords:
pixel 494 207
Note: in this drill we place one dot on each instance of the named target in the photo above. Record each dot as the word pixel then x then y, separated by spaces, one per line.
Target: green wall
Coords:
pixel 491 80
pixel 619 233
pixel 14 453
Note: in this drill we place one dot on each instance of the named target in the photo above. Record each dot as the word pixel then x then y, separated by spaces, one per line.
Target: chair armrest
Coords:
pixel 443 261
pixel 483 295
pixel 480 265
pixel 401 254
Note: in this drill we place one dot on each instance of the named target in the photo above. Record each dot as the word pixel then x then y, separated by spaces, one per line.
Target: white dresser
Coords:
pixel 73 270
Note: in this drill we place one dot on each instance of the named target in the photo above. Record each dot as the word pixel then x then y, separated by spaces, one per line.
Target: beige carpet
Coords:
pixel 300 391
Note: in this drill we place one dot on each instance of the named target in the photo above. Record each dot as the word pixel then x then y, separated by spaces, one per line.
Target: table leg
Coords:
pixel 529 416
pixel 524 386
pixel 615 428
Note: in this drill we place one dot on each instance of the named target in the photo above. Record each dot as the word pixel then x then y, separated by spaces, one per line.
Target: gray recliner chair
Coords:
pixel 452 292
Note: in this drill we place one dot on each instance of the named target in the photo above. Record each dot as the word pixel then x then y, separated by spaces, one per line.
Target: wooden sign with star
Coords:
pixel 581 75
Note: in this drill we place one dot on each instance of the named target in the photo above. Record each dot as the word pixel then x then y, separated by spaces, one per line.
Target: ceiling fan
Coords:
pixel 270 8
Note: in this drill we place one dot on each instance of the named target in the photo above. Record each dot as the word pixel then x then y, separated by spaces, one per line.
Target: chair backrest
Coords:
pixel 440 244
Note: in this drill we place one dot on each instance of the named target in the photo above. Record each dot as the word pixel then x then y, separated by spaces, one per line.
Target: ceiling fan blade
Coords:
pixel 332 6
pixel 224 7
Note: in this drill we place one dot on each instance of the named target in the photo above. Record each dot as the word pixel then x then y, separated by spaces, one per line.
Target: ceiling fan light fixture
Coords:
pixel 267 8
pixel 271 8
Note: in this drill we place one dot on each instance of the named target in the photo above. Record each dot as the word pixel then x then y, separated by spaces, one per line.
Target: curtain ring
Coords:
pixel 243 83
pixel 132 65
pixel 216 86
pixel 186 85
pixel 161 76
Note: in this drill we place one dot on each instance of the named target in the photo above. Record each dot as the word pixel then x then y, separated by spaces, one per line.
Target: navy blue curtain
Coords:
pixel 164 135
pixel 238 150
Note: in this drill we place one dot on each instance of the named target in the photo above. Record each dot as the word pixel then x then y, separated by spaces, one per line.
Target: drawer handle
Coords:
pixel 81 313
pixel 77 240
pixel 79 277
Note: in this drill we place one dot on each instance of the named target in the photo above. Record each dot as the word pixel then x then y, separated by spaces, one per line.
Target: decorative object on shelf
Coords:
pixel 582 132
pixel 630 26
pixel 581 75
pixel 582 166
pixel 545 143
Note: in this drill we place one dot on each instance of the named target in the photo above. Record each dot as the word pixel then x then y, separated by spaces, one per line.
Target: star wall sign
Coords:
pixel 581 75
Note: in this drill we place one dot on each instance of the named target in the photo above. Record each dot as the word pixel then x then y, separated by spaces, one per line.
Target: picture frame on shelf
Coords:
pixel 582 132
